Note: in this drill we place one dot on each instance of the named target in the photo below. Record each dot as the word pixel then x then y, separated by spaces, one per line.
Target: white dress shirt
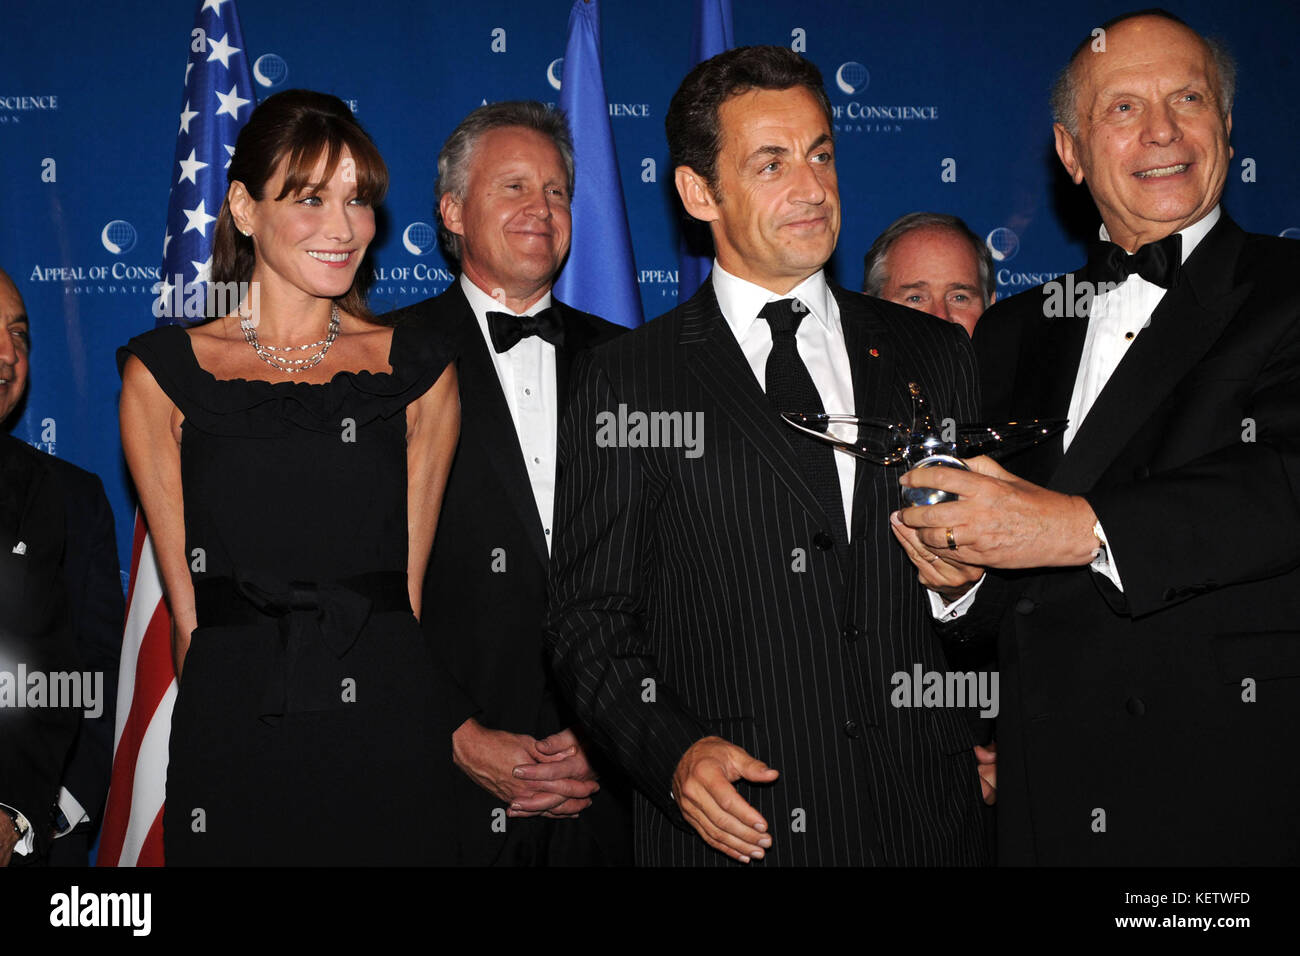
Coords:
pixel 819 339
pixel 1117 317
pixel 527 376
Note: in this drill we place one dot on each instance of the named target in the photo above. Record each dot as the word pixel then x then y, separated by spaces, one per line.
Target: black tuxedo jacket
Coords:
pixel 36 633
pixel 704 595
pixel 485 591
pixel 1160 725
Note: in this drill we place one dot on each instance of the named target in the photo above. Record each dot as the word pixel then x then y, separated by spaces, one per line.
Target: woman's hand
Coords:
pixel 182 630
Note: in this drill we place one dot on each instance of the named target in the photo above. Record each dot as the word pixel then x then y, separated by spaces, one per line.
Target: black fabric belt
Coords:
pixel 316 620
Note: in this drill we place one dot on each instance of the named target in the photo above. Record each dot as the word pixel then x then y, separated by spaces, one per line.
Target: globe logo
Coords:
pixel 419 238
pixel 118 237
pixel 852 78
pixel 1292 233
pixel 270 70
pixel 555 72
pixel 1003 244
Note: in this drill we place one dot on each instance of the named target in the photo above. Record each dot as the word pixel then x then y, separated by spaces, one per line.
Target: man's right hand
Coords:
pixel 489 757
pixel 702 787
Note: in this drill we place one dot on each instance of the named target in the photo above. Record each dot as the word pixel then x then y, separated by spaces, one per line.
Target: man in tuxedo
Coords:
pixel 505 177
pixel 728 606
pixel 1148 561
pixel 61 610
pixel 932 262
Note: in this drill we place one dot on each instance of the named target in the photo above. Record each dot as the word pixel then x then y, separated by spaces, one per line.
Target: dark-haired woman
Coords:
pixel 291 462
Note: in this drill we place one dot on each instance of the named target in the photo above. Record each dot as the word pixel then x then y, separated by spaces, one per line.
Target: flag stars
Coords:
pixel 231 102
pixel 189 167
pixel 203 270
pixel 213 5
pixel 187 114
pixel 165 289
pixel 167 241
pixel 231 151
pixel 221 50
pixel 197 218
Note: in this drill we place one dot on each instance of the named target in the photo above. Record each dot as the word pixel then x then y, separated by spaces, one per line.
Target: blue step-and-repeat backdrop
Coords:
pixel 90 95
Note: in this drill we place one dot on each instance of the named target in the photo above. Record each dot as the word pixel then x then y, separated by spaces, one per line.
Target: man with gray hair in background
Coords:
pixel 505 181
pixel 932 262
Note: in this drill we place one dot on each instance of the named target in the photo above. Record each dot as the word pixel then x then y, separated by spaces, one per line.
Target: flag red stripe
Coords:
pixel 153 675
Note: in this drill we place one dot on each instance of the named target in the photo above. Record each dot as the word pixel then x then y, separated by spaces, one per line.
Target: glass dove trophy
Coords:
pixel 923 444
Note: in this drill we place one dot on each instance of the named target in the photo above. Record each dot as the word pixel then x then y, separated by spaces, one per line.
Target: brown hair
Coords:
pixel 297 127
pixel 694 131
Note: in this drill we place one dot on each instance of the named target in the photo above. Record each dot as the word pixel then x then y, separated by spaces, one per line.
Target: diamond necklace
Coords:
pixel 283 363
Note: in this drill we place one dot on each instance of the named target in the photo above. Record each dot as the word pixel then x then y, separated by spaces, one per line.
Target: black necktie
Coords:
pixel 1156 262
pixel 507 329
pixel 790 388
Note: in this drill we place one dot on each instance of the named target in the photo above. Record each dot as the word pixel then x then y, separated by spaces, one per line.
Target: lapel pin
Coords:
pixel 20 548
pixel 875 353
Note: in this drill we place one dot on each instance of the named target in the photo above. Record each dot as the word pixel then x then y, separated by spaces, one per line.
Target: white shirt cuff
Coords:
pixel 73 812
pixel 28 841
pixel 950 612
pixel 1104 563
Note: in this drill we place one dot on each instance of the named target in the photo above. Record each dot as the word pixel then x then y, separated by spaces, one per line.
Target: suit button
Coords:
pixel 1025 606
pixel 823 541
pixel 852 633
pixel 851 729
pixel 1135 706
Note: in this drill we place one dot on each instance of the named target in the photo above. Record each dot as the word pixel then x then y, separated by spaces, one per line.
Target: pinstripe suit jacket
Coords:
pixel 701 595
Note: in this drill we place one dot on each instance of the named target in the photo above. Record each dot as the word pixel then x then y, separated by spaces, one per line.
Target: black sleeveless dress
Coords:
pixel 313 724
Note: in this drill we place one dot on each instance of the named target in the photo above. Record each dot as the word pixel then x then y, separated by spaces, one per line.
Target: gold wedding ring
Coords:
pixel 952 542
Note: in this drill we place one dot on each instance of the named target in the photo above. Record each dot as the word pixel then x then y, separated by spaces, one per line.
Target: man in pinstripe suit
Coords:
pixel 726 615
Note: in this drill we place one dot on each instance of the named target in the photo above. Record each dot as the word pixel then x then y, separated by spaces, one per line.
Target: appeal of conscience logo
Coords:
pixel 852 77
pixel 118 237
pixel 270 70
pixel 1003 244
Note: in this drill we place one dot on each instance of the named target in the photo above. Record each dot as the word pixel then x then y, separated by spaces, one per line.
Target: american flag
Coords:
pixel 217 101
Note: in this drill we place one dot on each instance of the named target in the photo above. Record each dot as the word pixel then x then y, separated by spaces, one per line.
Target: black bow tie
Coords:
pixel 1156 262
pixel 507 329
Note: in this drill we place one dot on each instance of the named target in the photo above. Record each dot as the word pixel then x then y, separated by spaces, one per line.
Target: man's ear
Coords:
pixel 241 206
pixel 451 210
pixel 1066 149
pixel 695 194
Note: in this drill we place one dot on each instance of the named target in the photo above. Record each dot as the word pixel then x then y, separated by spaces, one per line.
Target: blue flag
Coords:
pixel 711 35
pixel 600 276
pixel 217 101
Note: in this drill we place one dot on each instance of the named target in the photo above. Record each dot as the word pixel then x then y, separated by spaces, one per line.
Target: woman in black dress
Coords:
pixel 291 463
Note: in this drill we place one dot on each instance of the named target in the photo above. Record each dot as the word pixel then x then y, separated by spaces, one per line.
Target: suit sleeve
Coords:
pixel 1229 517
pixel 603 559
pixel 94 581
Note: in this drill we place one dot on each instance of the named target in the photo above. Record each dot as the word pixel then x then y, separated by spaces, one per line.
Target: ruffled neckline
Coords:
pixel 239 406
pixel 353 376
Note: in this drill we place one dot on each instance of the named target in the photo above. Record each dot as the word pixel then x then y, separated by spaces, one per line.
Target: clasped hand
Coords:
pixel 550 777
